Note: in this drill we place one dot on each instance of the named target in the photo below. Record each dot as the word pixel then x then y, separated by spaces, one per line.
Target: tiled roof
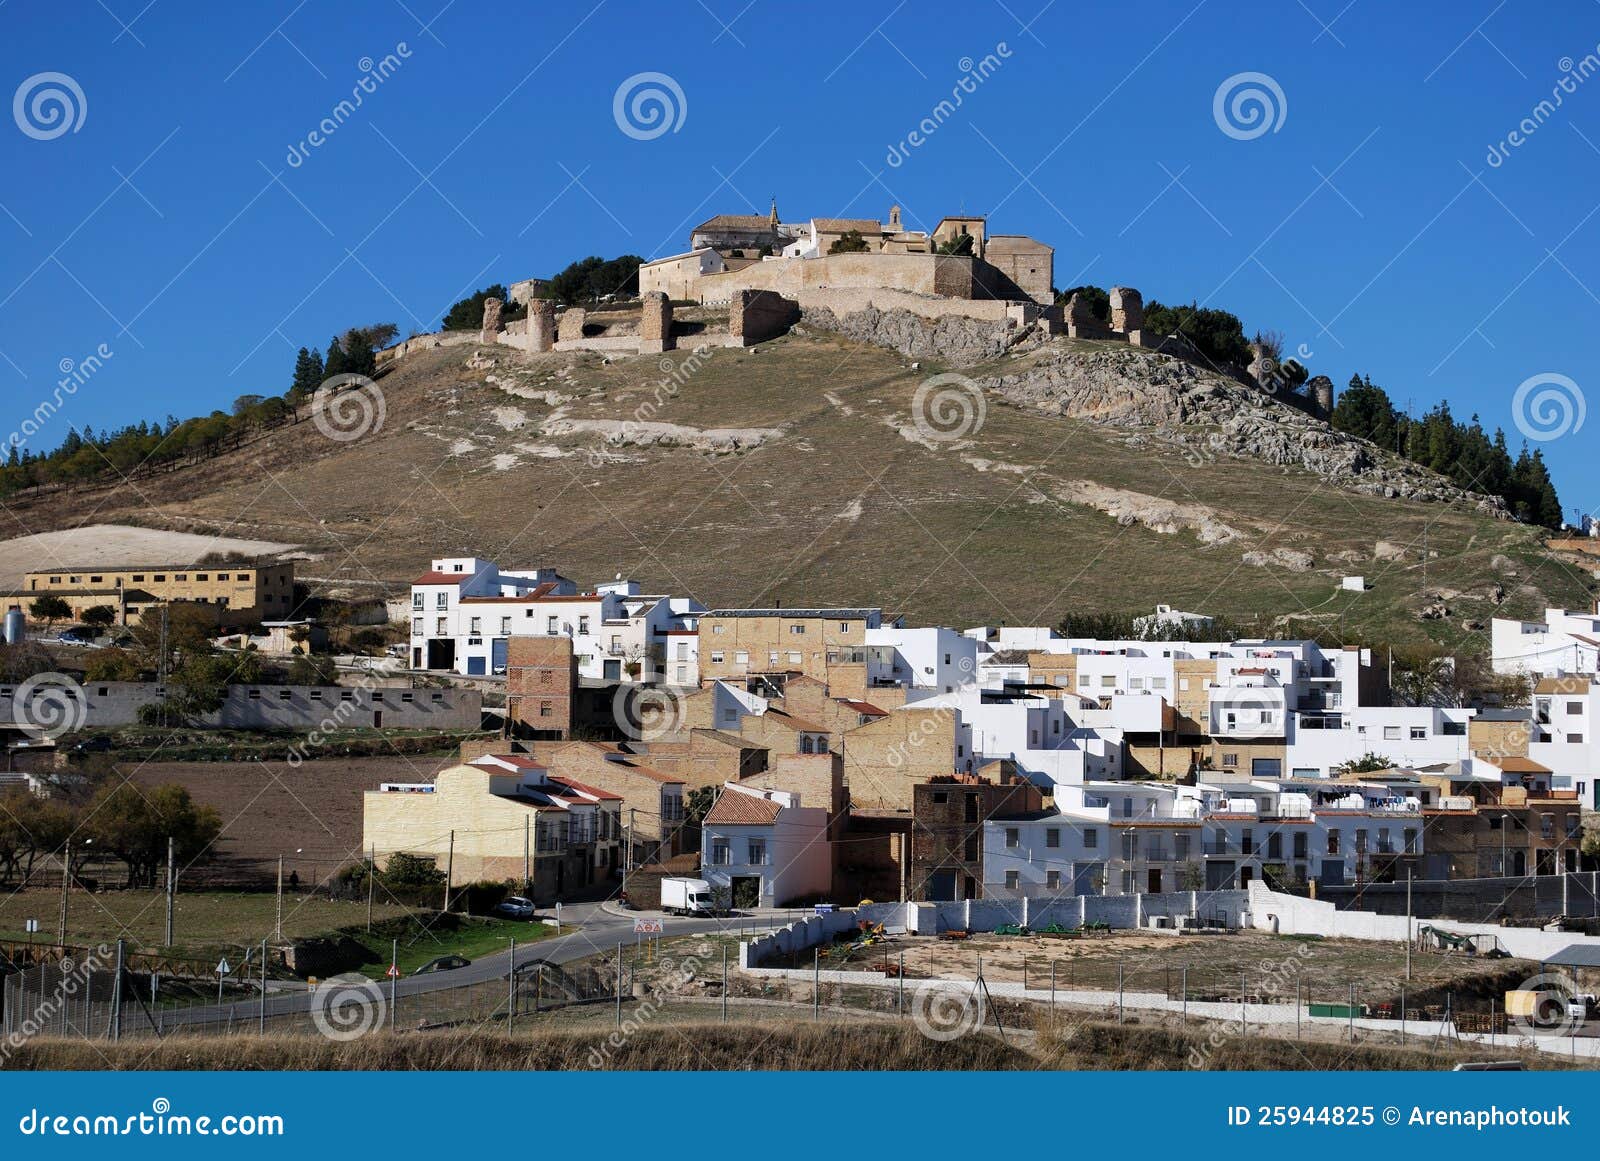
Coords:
pixel 864 707
pixel 736 808
pixel 442 578
pixel 735 222
pixel 1562 685
pixel 840 225
pixel 586 790
pixel 1518 765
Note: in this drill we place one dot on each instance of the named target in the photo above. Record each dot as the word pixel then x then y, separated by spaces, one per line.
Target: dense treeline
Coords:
pixel 1464 452
pixel 86 455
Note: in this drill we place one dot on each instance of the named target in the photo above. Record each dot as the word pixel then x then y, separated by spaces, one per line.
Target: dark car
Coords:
pixel 445 963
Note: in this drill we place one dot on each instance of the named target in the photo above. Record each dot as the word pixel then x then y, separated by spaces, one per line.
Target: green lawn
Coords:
pixel 473 939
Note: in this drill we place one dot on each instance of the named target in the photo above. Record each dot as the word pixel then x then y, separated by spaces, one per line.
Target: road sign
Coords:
pixel 32 926
pixel 394 972
pixel 648 927
pixel 223 968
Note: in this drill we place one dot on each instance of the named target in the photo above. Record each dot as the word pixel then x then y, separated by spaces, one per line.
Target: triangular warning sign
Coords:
pixel 223 968
pixel 393 972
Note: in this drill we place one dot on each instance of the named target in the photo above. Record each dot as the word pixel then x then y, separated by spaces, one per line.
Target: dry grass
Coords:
pixel 772 1043
pixel 842 509
pixel 794 1046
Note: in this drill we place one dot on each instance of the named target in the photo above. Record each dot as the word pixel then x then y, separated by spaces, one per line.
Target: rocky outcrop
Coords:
pixel 961 342
pixel 1214 416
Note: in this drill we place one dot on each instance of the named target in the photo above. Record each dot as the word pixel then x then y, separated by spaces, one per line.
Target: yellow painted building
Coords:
pixel 241 594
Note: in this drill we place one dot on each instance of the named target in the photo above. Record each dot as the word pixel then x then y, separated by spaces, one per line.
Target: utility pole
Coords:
pixel 449 870
pixel 1411 875
pixel 172 879
pixel 66 881
pixel 527 856
pixel 277 929
pixel 627 859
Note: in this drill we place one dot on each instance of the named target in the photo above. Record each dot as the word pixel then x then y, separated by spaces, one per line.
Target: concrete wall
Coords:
pixel 1292 915
pixel 283 707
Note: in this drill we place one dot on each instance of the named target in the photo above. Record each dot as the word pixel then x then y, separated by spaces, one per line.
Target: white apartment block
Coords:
pixel 1564 642
pixel 936 659
pixel 465 610
pixel 1110 838
pixel 1565 735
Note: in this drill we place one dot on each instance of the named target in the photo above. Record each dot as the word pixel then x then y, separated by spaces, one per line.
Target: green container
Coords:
pixel 1343 1011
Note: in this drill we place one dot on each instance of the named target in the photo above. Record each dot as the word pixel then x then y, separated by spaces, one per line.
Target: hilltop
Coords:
pixel 1051 475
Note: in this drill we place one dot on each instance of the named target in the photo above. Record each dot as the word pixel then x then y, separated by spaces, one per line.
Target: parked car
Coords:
pixel 515 907
pixel 445 963
pixel 76 636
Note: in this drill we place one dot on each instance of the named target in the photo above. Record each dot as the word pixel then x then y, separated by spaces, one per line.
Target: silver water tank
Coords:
pixel 16 625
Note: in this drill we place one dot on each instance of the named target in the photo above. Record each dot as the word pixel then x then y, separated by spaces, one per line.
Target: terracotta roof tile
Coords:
pixel 736 808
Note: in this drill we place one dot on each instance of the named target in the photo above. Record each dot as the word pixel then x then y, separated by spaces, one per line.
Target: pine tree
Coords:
pixel 335 363
pixel 308 375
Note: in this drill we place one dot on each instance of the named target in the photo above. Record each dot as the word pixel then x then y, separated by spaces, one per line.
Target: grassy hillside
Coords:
pixel 832 498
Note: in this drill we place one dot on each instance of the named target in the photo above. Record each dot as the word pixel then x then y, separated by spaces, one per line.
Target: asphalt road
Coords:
pixel 597 931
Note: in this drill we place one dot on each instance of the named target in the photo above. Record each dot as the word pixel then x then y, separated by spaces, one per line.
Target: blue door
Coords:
pixel 475 666
pixel 499 647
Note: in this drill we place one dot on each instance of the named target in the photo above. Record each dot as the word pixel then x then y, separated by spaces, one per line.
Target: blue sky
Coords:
pixel 1367 225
